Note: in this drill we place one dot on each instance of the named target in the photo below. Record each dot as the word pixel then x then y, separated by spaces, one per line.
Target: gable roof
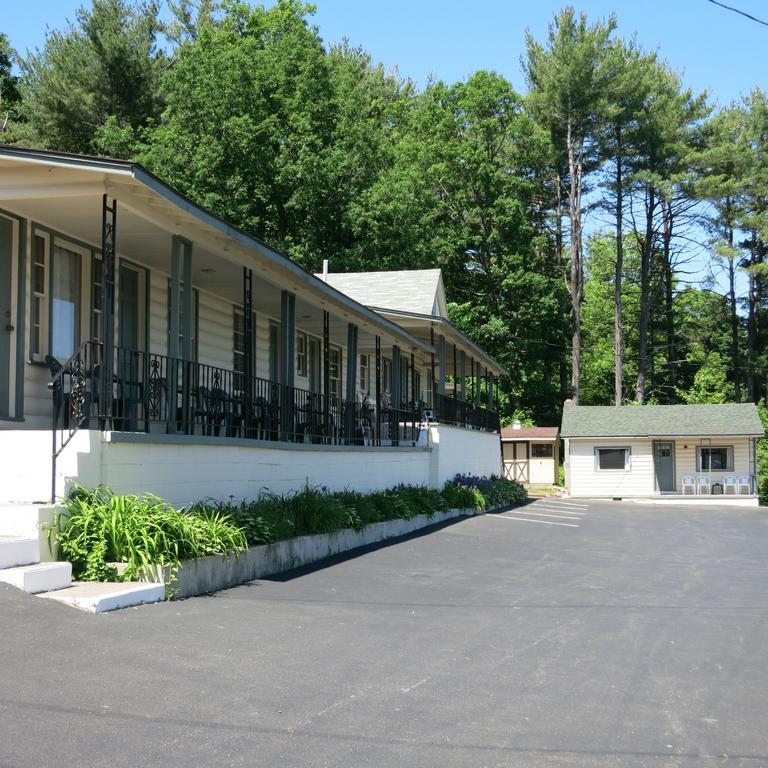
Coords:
pixel 419 291
pixel 529 433
pixel 732 419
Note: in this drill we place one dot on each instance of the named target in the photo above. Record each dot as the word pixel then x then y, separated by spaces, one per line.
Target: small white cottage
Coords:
pixel 531 454
pixel 653 450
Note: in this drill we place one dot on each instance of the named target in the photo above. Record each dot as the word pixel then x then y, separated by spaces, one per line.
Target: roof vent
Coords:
pixel 516 424
pixel 325 270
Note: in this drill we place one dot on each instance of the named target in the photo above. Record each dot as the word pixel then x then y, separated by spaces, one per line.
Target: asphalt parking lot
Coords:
pixel 598 634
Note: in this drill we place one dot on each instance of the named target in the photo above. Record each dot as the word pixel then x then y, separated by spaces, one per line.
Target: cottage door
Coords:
pixel 7 336
pixel 521 462
pixel 664 463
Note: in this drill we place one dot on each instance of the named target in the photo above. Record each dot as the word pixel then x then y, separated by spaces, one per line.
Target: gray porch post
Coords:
pixel 441 367
pixel 287 362
pixel 351 390
pixel 326 373
pixel 180 331
pixel 396 393
pixel 378 391
pixel 463 368
pixel 248 340
pixel 476 374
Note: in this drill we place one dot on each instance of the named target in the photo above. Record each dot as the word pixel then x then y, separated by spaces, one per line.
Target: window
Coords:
pixel 97 275
pixel 612 458
pixel 335 371
pixel 718 458
pixel 39 308
pixel 301 354
pixel 365 373
pixel 543 451
pixel 238 346
pixel 193 324
pixel 66 302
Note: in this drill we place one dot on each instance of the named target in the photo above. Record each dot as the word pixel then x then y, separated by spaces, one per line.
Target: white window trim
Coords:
pixel 731 463
pixel 627 457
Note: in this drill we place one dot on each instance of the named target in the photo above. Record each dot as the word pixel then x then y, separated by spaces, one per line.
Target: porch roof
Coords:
pixel 30 178
pixel 710 420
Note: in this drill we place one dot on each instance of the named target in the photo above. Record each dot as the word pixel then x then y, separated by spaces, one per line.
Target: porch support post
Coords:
pixel 413 379
pixel 463 374
pixel 442 367
pixel 396 391
pixel 478 397
pixel 377 436
pixel 351 390
pixel 433 383
pixel 455 372
pixel 326 373
pixel 108 243
pixel 287 344
pixel 248 341
pixel 287 336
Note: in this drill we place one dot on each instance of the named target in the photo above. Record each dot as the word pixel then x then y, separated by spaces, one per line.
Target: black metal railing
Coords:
pixel 463 413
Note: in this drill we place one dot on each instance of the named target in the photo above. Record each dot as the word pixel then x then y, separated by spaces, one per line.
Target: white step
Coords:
pixel 98 597
pixel 15 550
pixel 40 577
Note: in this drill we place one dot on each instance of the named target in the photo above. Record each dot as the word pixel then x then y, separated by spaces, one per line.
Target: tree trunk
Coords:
pixel 669 319
pixel 752 321
pixel 645 294
pixel 734 315
pixel 575 163
pixel 618 345
pixel 563 358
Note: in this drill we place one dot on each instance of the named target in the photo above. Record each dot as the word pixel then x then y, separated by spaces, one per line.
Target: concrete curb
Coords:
pixel 216 572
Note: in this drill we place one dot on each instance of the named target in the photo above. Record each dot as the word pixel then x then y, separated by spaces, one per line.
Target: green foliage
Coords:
pixel 762 458
pixel 105 66
pixel 98 527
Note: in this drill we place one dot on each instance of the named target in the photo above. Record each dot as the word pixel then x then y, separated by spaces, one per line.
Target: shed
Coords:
pixel 531 454
pixel 654 450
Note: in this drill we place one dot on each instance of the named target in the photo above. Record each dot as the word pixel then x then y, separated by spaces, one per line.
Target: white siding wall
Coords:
pixel 586 480
pixel 215 331
pixel 685 458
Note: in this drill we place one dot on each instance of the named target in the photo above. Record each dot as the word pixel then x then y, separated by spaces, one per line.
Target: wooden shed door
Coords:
pixel 516 462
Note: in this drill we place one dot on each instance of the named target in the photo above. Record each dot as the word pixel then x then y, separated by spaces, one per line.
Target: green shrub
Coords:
pixel 98 527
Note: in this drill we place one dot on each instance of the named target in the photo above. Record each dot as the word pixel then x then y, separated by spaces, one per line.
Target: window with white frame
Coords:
pixel 335 371
pixel 386 375
pixel 193 324
pixel 613 459
pixel 238 346
pixel 301 354
pixel 365 373
pixel 39 303
pixel 714 458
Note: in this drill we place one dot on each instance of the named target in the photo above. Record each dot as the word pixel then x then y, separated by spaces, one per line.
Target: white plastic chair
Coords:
pixel 689 482
pixel 702 483
pixel 745 481
pixel 729 481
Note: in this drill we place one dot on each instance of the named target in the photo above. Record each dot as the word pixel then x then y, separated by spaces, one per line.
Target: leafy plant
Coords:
pixel 98 527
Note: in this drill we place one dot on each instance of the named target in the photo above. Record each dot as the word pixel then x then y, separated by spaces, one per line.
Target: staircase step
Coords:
pixel 40 577
pixel 15 550
pixel 99 596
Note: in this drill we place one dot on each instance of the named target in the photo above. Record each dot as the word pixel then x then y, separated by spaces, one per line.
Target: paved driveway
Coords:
pixel 627 635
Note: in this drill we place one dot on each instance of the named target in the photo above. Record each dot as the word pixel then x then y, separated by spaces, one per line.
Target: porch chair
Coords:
pixel 729 481
pixel 703 484
pixel 689 482
pixel 745 481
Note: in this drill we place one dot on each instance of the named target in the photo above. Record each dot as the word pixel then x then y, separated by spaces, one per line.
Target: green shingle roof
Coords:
pixel 661 420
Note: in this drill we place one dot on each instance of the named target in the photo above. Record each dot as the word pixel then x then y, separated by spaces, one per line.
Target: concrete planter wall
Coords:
pixel 210 574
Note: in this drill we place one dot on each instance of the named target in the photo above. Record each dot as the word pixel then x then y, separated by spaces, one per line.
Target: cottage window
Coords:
pixel 543 451
pixel 718 458
pixel 613 459
pixel 66 302
pixel 301 354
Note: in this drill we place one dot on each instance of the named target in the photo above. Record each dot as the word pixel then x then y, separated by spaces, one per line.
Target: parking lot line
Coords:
pixel 556 509
pixel 531 520
pixel 564 503
pixel 564 516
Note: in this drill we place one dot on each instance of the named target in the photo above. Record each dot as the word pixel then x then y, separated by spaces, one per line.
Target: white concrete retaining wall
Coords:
pixel 185 468
pixel 209 574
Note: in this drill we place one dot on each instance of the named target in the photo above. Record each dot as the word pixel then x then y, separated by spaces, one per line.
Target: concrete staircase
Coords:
pixel 27 564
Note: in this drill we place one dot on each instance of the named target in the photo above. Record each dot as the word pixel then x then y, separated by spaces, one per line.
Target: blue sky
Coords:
pixel 716 50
